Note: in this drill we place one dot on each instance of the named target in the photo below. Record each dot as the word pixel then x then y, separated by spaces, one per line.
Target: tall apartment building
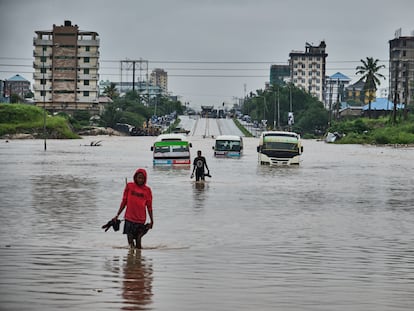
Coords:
pixel 66 69
pixel 307 69
pixel 402 69
pixel 159 78
pixel 279 74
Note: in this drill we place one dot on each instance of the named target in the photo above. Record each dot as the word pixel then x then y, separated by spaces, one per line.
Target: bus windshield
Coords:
pixel 273 145
pixel 227 145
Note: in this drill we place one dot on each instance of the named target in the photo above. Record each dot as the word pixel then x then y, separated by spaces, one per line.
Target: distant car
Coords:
pixel 247 118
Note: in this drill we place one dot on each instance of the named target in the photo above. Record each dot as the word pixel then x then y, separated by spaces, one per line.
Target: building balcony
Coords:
pixel 42 42
pixel 90 54
pixel 89 88
pixel 88 42
pixel 37 53
pixel 38 65
pixel 40 76
pixel 91 65
pixel 94 77
pixel 39 87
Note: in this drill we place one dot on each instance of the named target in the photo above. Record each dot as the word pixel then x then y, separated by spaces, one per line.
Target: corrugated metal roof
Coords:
pixel 382 104
pixel 17 78
pixel 339 76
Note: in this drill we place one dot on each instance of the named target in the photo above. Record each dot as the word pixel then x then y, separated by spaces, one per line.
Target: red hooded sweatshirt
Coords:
pixel 137 200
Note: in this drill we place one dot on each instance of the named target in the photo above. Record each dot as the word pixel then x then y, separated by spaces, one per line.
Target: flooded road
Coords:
pixel 209 127
pixel 336 233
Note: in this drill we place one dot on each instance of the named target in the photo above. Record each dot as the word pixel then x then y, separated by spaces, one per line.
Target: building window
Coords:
pixel 87 48
pixel 86 82
pixel 86 93
pixel 43 81
pixel 43 59
pixel 86 71
pixel 42 70
pixel 86 59
pixel 42 93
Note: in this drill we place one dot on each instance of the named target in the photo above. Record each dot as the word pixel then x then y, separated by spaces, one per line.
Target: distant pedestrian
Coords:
pixel 199 164
pixel 137 199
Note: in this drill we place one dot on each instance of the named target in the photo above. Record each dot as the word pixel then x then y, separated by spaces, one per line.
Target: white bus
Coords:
pixel 171 150
pixel 230 146
pixel 279 148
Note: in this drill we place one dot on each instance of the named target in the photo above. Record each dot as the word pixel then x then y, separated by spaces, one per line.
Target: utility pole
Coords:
pixel 395 93
pixel 274 113
pixel 44 94
pixel 406 91
pixel 143 65
pixel 339 88
pixel 278 108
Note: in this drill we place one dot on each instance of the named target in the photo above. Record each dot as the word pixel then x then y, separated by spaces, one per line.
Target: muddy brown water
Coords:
pixel 335 233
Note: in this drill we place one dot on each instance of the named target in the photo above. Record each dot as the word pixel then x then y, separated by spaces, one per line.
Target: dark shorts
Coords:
pixel 199 174
pixel 133 228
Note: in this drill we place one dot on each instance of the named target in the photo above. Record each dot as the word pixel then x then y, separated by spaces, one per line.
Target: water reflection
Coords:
pixel 137 281
pixel 199 193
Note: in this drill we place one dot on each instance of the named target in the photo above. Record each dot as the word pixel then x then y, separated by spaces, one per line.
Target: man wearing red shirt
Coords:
pixel 137 199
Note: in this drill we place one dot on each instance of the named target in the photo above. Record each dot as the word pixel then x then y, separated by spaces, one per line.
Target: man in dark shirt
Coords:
pixel 198 166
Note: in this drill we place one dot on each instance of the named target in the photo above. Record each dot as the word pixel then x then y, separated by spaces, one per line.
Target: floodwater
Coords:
pixel 335 233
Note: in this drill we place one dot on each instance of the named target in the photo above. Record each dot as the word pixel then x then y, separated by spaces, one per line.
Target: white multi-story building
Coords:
pixel 335 89
pixel 66 63
pixel 308 69
pixel 159 78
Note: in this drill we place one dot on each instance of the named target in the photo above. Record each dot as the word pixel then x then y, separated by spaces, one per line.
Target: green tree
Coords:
pixel 111 91
pixel 310 114
pixel 370 76
pixel 111 116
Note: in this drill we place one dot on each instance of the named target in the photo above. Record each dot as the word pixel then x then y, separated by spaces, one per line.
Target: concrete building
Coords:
pixel 279 74
pixel 335 89
pixel 356 95
pixel 66 64
pixel 307 69
pixel 16 85
pixel 401 68
pixel 141 87
pixel 159 78
pixel 2 95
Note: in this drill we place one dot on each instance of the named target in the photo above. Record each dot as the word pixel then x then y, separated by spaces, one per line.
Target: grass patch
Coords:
pixel 28 119
pixel 379 131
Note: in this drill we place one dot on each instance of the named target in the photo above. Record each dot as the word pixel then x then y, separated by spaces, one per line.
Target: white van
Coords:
pixel 279 148
pixel 230 146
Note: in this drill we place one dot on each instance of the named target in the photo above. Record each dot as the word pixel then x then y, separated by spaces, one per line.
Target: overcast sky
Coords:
pixel 213 50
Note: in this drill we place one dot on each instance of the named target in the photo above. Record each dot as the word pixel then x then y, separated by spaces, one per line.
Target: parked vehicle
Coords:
pixel 279 148
pixel 171 150
pixel 230 146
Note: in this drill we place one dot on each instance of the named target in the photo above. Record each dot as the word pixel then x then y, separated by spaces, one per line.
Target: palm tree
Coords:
pixel 370 71
pixel 111 91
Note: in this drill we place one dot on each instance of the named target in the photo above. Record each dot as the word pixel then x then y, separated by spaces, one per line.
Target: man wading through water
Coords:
pixel 198 166
pixel 137 199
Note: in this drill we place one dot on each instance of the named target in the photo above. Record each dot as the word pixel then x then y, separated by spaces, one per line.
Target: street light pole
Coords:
pixel 278 108
pixel 44 94
pixel 274 113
